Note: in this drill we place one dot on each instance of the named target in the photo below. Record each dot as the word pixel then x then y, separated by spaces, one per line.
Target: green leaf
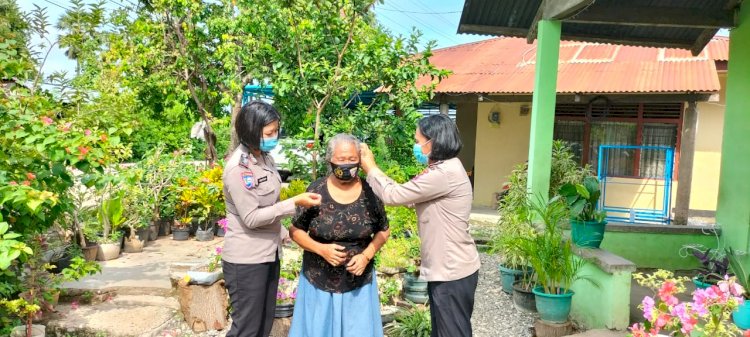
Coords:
pixel 582 191
pixel 568 190
pixel 577 207
pixel 3 227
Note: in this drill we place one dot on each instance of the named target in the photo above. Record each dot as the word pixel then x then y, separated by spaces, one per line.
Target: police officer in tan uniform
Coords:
pixel 254 232
pixel 442 197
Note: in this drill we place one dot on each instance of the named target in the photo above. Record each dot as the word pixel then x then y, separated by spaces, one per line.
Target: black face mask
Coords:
pixel 345 172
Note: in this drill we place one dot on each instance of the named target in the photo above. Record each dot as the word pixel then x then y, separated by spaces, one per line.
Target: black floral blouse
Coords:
pixel 352 226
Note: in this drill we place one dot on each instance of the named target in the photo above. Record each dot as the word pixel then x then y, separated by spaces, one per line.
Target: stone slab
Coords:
pixel 606 260
pixel 110 319
pixel 601 333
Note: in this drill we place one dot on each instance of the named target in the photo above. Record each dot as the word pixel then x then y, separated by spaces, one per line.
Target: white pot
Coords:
pixel 36 331
pixel 204 277
pixel 108 251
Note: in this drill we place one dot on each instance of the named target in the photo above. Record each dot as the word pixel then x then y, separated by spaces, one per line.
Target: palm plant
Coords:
pixel 550 254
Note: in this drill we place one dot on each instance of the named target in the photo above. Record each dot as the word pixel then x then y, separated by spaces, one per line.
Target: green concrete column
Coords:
pixel 543 107
pixel 733 211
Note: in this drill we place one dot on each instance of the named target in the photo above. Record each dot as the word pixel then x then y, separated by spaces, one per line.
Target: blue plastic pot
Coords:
pixel 553 308
pixel 508 276
pixel 587 234
pixel 741 316
pixel 700 284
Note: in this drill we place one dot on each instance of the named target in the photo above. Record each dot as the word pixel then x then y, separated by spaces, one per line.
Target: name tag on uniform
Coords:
pixel 262 180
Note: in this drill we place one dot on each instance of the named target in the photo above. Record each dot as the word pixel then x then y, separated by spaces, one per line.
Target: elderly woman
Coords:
pixel 442 197
pixel 337 294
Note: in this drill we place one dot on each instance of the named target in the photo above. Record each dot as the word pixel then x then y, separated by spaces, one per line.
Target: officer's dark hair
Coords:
pixel 446 141
pixel 250 122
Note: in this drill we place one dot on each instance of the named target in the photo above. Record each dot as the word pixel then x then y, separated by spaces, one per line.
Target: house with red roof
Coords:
pixel 625 97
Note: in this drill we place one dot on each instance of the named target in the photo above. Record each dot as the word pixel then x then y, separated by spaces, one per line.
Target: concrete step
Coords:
pixel 129 316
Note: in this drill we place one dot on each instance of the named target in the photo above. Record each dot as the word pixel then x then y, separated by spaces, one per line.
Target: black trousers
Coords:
pixel 451 306
pixel 252 294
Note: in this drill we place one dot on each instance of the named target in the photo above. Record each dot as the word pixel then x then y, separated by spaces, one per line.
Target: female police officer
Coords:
pixel 442 197
pixel 251 245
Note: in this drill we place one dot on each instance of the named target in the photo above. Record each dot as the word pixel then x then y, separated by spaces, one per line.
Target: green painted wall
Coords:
pixel 733 210
pixel 543 107
pixel 656 250
pixel 605 305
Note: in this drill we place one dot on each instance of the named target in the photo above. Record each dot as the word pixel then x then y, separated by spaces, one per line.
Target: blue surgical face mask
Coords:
pixel 268 144
pixel 421 157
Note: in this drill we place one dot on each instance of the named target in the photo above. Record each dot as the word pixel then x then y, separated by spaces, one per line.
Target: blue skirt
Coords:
pixel 318 313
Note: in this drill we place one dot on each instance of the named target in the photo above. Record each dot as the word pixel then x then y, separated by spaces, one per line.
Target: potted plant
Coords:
pixel 286 293
pixel 389 291
pixel 553 261
pixel 587 224
pixel 714 265
pixel 181 229
pixel 415 289
pixel 741 316
pixel 111 218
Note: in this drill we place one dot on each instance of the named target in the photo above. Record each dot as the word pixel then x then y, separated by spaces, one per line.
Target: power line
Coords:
pixel 50 2
pixel 429 26
pixel 414 12
pixel 439 16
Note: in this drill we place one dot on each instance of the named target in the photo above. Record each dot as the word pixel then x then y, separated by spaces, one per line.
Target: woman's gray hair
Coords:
pixel 341 138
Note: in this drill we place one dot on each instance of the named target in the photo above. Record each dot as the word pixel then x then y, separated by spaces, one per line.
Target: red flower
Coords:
pixel 83 151
pixel 103 137
pixel 746 333
pixel 13 183
pixel 26 183
pixel 30 176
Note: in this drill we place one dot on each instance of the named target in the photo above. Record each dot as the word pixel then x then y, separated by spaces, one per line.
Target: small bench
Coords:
pixel 606 303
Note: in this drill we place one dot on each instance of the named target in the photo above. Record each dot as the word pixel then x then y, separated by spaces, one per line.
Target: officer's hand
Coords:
pixel 357 264
pixel 307 200
pixel 332 253
pixel 366 158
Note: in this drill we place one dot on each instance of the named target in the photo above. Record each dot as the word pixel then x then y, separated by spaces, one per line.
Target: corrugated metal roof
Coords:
pixel 506 66
pixel 515 17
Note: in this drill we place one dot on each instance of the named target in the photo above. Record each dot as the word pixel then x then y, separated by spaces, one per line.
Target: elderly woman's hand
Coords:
pixel 366 158
pixel 357 264
pixel 332 253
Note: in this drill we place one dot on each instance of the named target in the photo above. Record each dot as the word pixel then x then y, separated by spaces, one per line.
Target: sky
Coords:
pixel 436 19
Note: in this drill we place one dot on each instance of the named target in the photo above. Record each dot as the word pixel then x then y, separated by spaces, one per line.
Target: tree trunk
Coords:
pixel 204 307
pixel 281 327
pixel 234 141
pixel 547 329
pixel 316 138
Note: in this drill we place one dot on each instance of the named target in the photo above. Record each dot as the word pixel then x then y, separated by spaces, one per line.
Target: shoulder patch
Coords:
pixel 245 161
pixel 248 180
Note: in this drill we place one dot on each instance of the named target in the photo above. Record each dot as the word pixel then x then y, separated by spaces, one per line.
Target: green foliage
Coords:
pixel 389 290
pixel 737 267
pixel 402 221
pixel 414 322
pixel 400 253
pixel 514 207
pixel 582 199
pixel 294 188
pixel 80 268
pixel 202 197
pixel 111 215
pixel 10 248
pixel 548 251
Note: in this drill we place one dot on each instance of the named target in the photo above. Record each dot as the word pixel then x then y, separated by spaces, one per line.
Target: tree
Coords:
pixel 326 52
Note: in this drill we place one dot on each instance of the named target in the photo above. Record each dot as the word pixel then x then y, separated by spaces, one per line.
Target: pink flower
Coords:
pixel 47 121
pixel 688 320
pixel 30 176
pixel 223 223
pixel 648 307
pixel 74 305
pixel 87 132
pixel 13 183
pixel 66 126
pixel 218 250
